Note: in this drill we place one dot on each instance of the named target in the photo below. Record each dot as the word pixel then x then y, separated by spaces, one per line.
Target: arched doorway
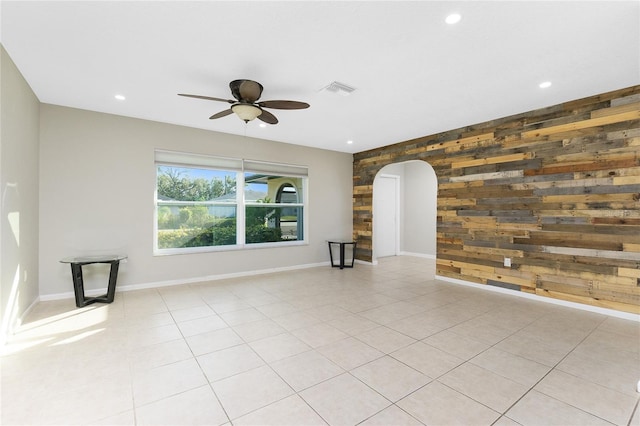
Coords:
pixel 404 210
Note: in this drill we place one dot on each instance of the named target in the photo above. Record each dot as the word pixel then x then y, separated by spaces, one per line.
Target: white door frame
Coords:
pixel 396 178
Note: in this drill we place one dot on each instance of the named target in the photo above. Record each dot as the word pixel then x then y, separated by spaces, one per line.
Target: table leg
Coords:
pixel 342 255
pixel 330 254
pixel 353 256
pixel 78 284
pixel 113 276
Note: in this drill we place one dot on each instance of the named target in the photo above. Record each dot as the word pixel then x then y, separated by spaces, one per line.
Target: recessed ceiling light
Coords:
pixel 349 142
pixel 120 97
pixel 544 84
pixel 454 18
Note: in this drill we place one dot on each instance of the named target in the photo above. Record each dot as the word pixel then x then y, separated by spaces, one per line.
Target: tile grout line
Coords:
pixel 469 361
pixel 634 411
pixel 194 357
pixel 554 369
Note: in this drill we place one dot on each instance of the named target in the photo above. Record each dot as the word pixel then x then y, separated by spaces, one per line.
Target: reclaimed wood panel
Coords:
pixel 557 190
pixel 583 124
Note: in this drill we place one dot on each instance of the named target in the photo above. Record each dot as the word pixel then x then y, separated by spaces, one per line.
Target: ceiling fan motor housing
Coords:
pixel 246 90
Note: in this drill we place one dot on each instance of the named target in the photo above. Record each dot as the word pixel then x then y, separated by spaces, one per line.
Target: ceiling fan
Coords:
pixel 246 105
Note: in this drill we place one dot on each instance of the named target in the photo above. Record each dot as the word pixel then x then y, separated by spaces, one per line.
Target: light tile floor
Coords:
pixel 373 345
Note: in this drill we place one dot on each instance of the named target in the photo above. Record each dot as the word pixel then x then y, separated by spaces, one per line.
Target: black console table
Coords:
pixel 78 283
pixel 342 245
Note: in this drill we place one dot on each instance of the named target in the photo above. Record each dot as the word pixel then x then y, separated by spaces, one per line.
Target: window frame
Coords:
pixel 300 194
pixel 177 159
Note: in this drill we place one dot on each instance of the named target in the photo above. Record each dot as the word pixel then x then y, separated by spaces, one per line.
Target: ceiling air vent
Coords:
pixel 339 88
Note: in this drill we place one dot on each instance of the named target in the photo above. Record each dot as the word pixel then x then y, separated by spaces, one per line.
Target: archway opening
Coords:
pixel 405 210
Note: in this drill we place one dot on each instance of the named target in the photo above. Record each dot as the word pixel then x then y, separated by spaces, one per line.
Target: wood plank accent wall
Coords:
pixel 557 190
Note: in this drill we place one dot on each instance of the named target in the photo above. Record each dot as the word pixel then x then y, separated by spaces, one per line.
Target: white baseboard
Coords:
pixel 181 281
pixel 402 253
pixel 423 255
pixel 17 323
pixel 566 303
pixel 28 311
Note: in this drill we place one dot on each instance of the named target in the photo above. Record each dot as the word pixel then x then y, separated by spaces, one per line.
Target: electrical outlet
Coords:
pixel 507 262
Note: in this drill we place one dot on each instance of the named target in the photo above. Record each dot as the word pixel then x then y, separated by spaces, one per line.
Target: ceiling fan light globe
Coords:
pixel 246 112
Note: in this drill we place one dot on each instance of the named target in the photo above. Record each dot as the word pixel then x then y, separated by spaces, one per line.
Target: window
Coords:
pixel 278 215
pixel 208 203
pixel 196 207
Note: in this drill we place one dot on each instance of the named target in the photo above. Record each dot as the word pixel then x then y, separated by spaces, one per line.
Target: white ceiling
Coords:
pixel 415 75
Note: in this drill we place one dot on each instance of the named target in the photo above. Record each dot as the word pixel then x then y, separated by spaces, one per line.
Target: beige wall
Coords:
pixel 97 195
pixel 19 110
pixel 421 197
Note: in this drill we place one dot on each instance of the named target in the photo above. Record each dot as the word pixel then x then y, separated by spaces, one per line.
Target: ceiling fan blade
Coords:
pixel 284 104
pixel 208 98
pixel 221 114
pixel 268 118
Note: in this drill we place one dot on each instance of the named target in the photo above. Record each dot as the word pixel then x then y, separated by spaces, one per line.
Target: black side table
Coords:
pixel 78 282
pixel 342 245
